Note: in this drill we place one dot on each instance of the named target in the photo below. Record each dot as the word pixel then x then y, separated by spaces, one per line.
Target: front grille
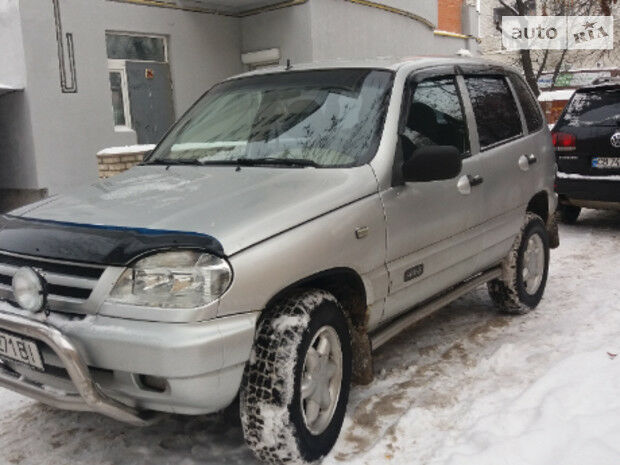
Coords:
pixel 69 284
pixel 69 269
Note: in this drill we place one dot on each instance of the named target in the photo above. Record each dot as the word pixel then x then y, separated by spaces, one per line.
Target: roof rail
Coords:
pixel 606 80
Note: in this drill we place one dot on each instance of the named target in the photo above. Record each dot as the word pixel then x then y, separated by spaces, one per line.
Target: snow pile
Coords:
pixel 612 177
pixel 139 187
pixel 571 415
pixel 127 149
pixel 552 95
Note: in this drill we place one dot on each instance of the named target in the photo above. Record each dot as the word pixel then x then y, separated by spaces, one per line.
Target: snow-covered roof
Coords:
pixel 552 95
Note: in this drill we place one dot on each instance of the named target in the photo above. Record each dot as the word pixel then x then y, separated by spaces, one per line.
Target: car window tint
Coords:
pixel 531 111
pixel 495 109
pixel 594 107
pixel 436 116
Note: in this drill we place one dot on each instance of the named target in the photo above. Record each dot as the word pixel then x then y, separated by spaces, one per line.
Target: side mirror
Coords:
pixel 433 163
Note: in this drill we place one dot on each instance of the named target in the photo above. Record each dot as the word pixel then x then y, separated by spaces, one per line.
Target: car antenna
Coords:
pixel 288 65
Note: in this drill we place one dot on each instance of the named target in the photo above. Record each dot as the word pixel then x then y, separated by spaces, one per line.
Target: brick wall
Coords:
pixel 112 164
pixel 450 13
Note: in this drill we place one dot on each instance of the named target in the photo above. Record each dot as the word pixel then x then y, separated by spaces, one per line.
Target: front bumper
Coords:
pixel 97 363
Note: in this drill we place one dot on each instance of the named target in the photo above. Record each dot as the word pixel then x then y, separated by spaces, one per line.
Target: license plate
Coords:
pixel 606 163
pixel 20 349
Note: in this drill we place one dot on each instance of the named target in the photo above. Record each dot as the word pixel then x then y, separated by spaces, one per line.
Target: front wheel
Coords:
pixel 525 270
pixel 296 386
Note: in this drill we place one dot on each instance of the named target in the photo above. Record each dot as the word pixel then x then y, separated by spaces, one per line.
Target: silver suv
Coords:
pixel 290 223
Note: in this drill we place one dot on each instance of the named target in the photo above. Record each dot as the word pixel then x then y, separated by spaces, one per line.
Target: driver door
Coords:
pixel 432 239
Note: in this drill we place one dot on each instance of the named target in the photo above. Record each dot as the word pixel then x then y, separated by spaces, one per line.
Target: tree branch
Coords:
pixel 511 8
pixel 543 64
pixel 558 67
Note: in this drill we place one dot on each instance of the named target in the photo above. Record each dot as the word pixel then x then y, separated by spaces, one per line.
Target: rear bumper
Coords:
pixel 574 189
pixel 98 363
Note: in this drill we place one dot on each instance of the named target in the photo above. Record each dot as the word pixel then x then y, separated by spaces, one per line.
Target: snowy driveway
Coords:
pixel 468 386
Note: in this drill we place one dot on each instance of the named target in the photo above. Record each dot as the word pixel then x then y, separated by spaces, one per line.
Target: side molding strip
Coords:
pixel 415 315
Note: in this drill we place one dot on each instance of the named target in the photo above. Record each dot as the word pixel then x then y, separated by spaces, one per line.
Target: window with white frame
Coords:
pixel 121 48
pixel 120 98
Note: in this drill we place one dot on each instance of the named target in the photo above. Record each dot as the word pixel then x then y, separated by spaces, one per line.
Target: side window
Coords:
pixel 530 107
pixel 436 116
pixel 495 109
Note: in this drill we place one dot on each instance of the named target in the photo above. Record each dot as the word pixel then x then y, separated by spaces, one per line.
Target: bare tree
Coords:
pixel 534 62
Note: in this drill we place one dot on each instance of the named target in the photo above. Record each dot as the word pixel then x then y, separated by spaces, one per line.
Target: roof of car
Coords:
pixel 387 63
pixel 611 83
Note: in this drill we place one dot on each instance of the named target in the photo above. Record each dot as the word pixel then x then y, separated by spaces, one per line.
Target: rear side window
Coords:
pixel 530 108
pixel 436 116
pixel 595 107
pixel 495 109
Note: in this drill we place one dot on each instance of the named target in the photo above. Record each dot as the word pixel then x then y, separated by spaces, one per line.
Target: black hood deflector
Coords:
pixel 106 245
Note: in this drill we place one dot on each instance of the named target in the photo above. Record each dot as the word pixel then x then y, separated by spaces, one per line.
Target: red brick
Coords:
pixel 450 15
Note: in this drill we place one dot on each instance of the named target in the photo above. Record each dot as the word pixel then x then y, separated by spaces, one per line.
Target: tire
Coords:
pixel 510 293
pixel 273 419
pixel 568 213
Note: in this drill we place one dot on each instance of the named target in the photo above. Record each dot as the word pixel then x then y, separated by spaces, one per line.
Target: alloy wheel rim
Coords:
pixel 321 380
pixel 533 264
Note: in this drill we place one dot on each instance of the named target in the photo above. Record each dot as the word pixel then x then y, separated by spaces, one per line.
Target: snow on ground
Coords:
pixel 467 386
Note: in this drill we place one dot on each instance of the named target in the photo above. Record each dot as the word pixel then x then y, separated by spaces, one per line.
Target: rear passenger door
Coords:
pixel 507 159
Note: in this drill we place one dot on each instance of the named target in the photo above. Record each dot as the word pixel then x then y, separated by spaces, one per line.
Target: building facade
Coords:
pixel 79 76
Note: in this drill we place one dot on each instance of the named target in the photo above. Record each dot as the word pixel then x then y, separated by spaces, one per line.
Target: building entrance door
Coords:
pixel 150 97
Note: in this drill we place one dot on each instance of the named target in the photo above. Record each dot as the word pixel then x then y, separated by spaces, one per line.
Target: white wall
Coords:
pixel 427 9
pixel 287 29
pixel 336 29
pixel 347 30
pixel 69 129
pixel 12 66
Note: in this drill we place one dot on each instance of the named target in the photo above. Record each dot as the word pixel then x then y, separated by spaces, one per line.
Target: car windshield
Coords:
pixel 593 108
pixel 331 118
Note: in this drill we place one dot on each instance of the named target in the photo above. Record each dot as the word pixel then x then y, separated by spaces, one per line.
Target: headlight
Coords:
pixel 182 279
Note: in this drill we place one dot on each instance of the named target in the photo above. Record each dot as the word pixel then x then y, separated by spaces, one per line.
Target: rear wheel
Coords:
pixel 525 270
pixel 296 385
pixel 569 213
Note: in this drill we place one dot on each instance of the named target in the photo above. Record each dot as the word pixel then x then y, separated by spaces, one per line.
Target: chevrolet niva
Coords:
pixel 292 221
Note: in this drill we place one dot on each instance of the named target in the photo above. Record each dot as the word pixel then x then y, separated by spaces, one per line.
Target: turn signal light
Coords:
pixel 564 141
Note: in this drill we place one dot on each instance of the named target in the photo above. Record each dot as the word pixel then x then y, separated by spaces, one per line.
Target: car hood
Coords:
pixel 238 208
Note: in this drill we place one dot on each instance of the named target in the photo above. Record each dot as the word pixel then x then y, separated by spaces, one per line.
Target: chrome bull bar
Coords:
pixel 89 397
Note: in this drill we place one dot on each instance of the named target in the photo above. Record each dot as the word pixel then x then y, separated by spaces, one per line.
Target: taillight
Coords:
pixel 564 142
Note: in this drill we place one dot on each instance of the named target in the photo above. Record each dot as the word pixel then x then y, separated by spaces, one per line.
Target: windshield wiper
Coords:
pixel 277 161
pixel 169 162
pixel 239 162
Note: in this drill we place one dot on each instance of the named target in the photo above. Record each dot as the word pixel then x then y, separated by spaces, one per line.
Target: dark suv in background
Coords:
pixel 587 144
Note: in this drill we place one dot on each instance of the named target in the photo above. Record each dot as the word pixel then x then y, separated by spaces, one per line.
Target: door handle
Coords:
pixel 465 183
pixel 475 180
pixel 525 161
